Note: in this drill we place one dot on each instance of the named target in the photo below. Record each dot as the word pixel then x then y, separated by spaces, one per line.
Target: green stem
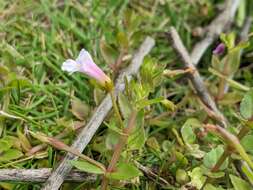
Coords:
pixel 244 130
pixel 116 109
pixel 118 148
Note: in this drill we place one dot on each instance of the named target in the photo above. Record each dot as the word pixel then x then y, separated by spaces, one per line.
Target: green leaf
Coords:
pixel 247 143
pixel 152 143
pixel 169 105
pixel 187 130
pixel 231 98
pixel 239 184
pixel 137 138
pixel 182 176
pixel 143 103
pixel 4 70
pixel 150 72
pixel 247 171
pixel 194 150
pixel 13 141
pixel 197 177
pixel 211 158
pixel 124 105
pixel 23 140
pixel 86 166
pixel 109 54
pixel 4 145
pixel 211 187
pixel 216 63
pixel 125 171
pixel 214 174
pixel 10 154
pixel 111 140
pixel 20 83
pixel 112 125
pixel 167 145
pixel 234 59
pixel 228 39
pixel 240 46
pixel 122 40
pixel 181 160
pixel 13 51
pixel 79 109
pixel 241 13
pixel 246 106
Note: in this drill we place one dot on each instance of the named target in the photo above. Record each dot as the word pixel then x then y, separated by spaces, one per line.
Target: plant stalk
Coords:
pixel 244 130
pixel 118 148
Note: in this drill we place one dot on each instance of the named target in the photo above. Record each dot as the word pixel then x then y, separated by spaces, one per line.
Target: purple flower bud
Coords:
pixel 219 49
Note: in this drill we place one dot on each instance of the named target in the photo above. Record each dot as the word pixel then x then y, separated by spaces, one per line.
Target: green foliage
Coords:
pixel 239 184
pixel 137 138
pixel 247 143
pixel 168 137
pixel 181 176
pixel 10 154
pixel 124 105
pixel 247 171
pixel 228 39
pixel 246 106
pixel 125 171
pixel 86 167
pixel 241 14
pixel 187 130
pixel 211 158
pixel 197 177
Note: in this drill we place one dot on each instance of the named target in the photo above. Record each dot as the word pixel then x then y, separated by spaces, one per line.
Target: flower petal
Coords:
pixel 70 66
pixel 84 57
pixel 219 49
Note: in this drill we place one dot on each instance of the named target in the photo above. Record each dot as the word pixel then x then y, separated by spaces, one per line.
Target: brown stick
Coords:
pixel 218 25
pixel 58 175
pixel 41 175
pixel 195 76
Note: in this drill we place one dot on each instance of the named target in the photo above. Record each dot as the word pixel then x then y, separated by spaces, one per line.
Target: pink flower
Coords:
pixel 85 64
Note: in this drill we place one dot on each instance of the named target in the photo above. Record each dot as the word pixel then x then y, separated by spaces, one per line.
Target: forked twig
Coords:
pixel 195 76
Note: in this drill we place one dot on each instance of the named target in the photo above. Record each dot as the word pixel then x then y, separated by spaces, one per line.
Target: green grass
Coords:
pixel 37 36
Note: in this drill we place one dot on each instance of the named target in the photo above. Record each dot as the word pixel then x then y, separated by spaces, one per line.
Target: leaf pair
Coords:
pixel 124 171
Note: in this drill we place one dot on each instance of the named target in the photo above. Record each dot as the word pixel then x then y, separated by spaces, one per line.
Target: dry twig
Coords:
pixel 41 175
pixel 195 76
pixel 218 25
pixel 58 175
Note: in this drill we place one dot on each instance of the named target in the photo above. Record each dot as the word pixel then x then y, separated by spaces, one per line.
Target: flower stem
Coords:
pixel 116 109
pixel 119 147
